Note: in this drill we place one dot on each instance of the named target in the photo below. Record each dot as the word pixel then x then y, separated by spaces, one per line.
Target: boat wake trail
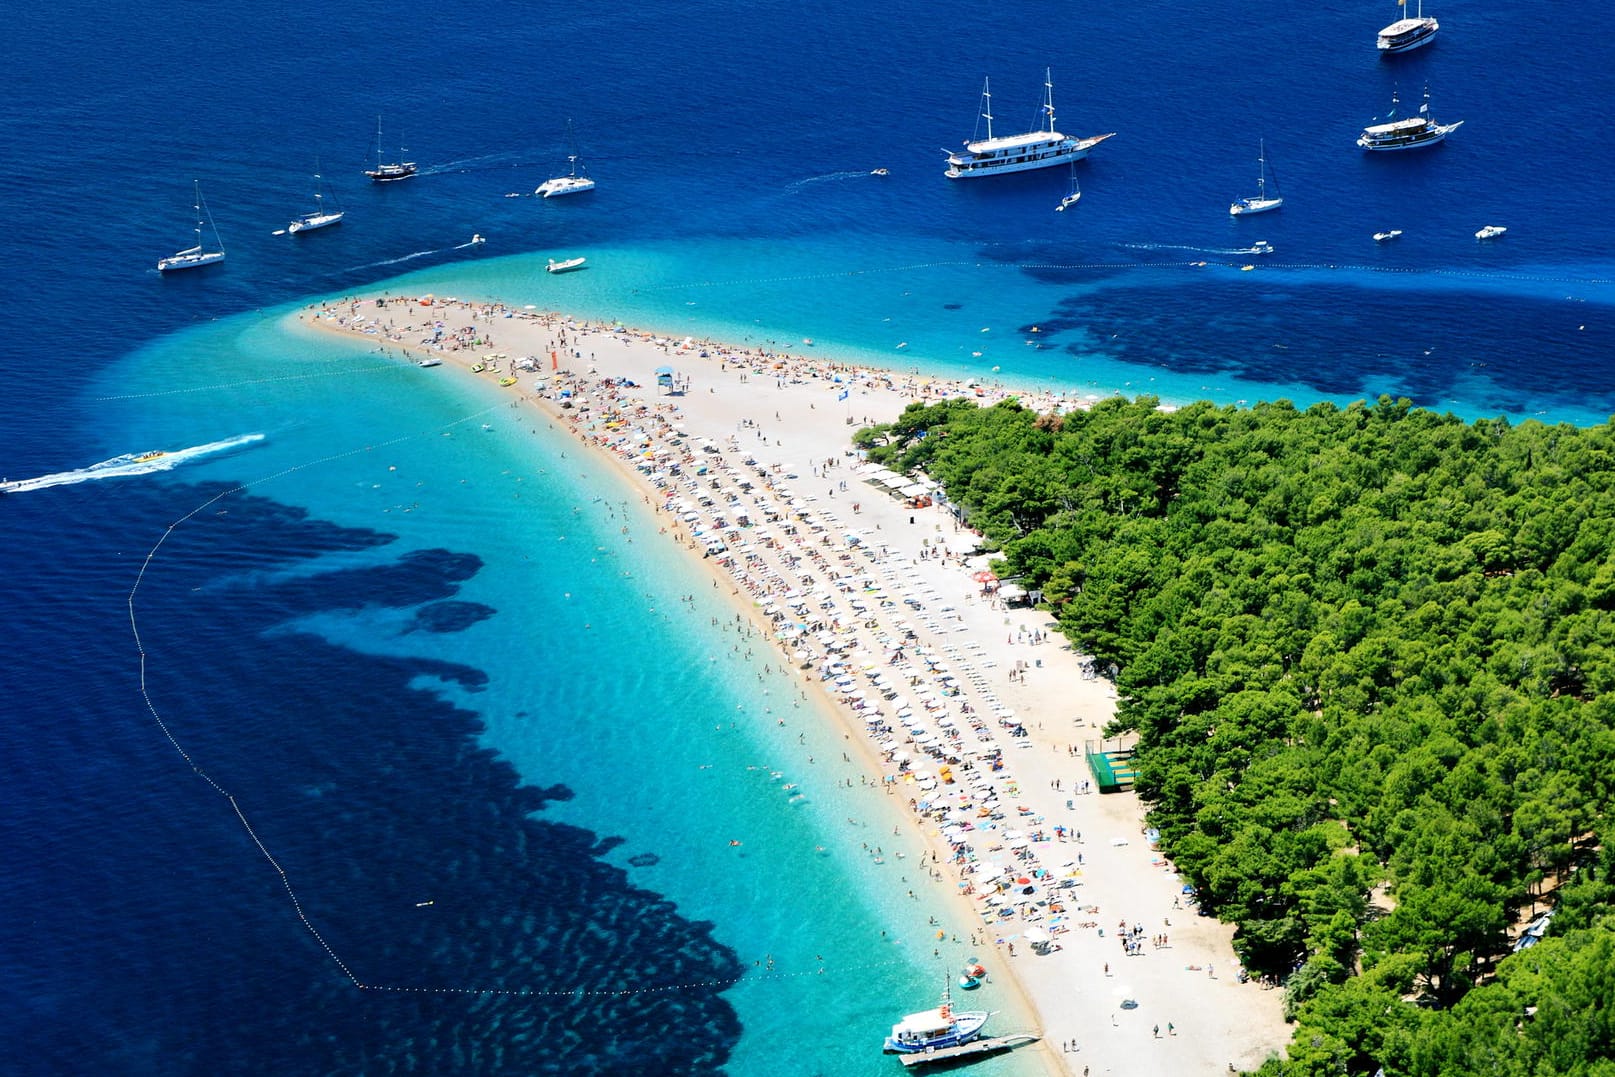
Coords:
pixel 394 261
pixel 1191 250
pixel 842 175
pixel 121 467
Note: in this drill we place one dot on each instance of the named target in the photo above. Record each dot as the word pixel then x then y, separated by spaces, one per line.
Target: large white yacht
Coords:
pixel 1043 148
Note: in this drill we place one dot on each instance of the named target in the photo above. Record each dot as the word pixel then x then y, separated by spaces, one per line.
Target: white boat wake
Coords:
pixel 1192 250
pixel 843 175
pixel 121 467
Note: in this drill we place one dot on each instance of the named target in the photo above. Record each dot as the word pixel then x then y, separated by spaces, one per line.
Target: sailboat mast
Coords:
pixel 1048 97
pixel 987 105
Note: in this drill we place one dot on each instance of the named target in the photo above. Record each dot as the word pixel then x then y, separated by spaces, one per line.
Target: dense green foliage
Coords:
pixel 1368 654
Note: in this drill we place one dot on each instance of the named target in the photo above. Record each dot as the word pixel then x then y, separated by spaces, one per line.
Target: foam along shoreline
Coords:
pixel 967 710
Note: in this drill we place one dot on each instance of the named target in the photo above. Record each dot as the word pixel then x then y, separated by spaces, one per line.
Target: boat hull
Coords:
pixel 1246 206
pixel 564 185
pixel 564 267
pixel 975 164
pixel 314 221
pixel 965 1028
pixel 189 261
pixel 1406 35
pixel 1383 140
pixel 392 173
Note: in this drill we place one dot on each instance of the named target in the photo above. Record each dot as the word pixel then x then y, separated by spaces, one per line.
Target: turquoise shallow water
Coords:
pixel 673 732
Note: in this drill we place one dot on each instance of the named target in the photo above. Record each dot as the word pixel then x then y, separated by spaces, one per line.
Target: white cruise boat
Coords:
pixel 1405 34
pixel 936 1029
pixel 1043 148
pixel 1410 134
pixel 195 257
pixel 572 182
pixel 1263 201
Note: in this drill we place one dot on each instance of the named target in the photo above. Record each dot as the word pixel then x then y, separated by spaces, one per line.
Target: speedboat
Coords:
pixel 934 1029
pixel 1381 237
pixel 1407 34
pixel 1261 246
pixel 1410 134
pixel 566 266
pixel 1491 231
pixel 430 360
pixel 1043 148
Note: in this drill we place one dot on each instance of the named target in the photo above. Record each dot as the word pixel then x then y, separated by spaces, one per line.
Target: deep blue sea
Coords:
pixel 371 746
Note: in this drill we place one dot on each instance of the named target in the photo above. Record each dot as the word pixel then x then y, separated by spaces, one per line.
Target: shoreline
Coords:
pixel 674 443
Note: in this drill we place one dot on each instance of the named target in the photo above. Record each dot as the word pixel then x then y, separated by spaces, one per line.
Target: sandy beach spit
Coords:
pixel 968 709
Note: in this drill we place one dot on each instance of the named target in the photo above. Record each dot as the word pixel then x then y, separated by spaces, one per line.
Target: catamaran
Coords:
pixel 195 257
pixel 1262 202
pixel 1042 148
pixel 321 217
pixel 1410 134
pixel 389 172
pixel 572 182
pixel 1406 34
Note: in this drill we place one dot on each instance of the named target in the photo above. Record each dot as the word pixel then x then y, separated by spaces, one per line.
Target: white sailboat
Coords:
pixel 572 182
pixel 1074 197
pixel 195 257
pixel 321 217
pixel 1262 202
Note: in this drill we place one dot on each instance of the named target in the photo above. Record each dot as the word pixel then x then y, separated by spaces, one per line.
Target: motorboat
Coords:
pixel 196 256
pixel 1491 231
pixel 1407 34
pixel 574 182
pixel 1381 237
pixel 566 266
pixel 430 360
pixel 389 171
pixel 1261 246
pixel 934 1029
pixel 1410 134
pixel 1263 201
pixel 1042 148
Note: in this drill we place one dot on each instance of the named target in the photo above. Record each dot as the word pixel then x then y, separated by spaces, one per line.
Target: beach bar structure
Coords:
pixel 1112 770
